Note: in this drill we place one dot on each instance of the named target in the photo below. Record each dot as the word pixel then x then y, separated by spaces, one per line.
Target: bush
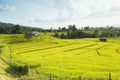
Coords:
pixel 17 70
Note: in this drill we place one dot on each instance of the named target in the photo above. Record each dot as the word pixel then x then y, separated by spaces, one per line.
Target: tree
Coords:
pixel 86 28
pixel 62 36
pixel 95 34
pixel 72 28
pixel 64 29
pixel 70 34
pixel 56 34
pixel 59 29
pixel 28 35
pixel 17 29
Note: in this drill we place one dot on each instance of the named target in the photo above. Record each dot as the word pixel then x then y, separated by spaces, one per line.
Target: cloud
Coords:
pixel 75 9
pixel 44 13
pixel 83 8
pixel 63 12
pixel 80 12
pixel 7 7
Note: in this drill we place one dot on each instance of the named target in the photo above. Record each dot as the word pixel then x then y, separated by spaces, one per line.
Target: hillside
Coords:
pixel 68 58
pixel 6 24
pixel 9 28
pixel 62 58
pixel 72 58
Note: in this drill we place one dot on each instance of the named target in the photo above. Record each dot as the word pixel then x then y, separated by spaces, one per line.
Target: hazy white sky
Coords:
pixel 56 13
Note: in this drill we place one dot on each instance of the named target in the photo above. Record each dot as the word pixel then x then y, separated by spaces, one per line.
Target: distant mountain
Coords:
pixel 8 28
pixel 2 24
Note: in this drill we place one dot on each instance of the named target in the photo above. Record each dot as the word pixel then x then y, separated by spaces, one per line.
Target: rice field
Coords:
pixel 71 58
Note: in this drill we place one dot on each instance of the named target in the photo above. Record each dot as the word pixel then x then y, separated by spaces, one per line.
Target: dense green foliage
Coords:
pixel 17 70
pixel 7 28
pixel 72 32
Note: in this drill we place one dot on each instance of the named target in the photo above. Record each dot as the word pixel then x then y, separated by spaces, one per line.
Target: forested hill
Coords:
pixel 6 24
pixel 9 28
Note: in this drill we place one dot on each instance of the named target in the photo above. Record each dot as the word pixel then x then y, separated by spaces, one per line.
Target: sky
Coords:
pixel 60 13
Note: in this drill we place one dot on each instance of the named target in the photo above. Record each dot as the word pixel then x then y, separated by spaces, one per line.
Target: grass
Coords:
pixel 69 58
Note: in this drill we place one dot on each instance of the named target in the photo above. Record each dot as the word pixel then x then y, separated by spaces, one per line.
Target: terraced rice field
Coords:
pixel 71 58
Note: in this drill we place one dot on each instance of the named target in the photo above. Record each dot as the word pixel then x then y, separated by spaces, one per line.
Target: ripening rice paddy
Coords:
pixel 71 58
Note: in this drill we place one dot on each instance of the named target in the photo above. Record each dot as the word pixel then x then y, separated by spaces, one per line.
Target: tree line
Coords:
pixel 69 32
pixel 87 32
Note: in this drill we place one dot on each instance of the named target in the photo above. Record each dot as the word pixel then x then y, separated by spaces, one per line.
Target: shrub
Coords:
pixel 17 70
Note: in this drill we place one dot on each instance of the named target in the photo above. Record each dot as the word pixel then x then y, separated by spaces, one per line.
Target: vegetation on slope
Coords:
pixel 66 59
